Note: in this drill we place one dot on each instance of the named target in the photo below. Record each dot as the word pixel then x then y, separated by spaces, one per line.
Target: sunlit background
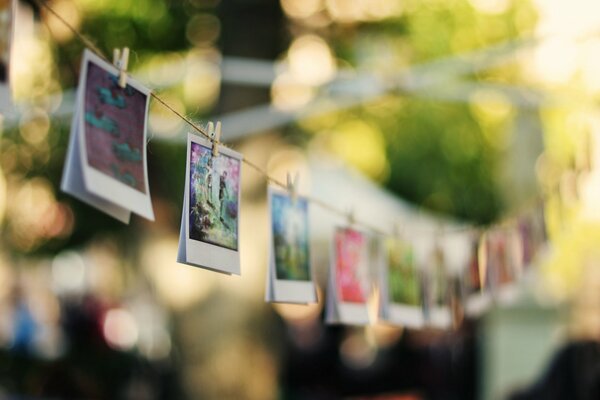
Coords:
pixel 466 110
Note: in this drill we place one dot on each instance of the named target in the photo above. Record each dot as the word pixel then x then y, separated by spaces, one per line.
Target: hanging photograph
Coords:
pixel 436 291
pixel 400 286
pixel 534 237
pixel 214 184
pixel 114 126
pixel 349 286
pixel 211 208
pixel 505 255
pixel 7 18
pixel 106 163
pixel 477 294
pixel 289 277
pixel 526 230
pixel 7 13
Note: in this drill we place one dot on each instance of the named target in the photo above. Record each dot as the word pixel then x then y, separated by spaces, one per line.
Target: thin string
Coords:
pixel 261 171
pixel 89 43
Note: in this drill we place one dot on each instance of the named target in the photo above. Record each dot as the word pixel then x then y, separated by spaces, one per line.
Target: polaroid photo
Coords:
pixel 525 226
pixel 400 300
pixel 477 296
pixel 509 263
pixel 106 164
pixel 7 23
pixel 533 236
pixel 457 300
pixel 349 283
pixel 539 234
pixel 209 235
pixel 502 272
pixel 496 262
pixel 289 275
pixel 436 291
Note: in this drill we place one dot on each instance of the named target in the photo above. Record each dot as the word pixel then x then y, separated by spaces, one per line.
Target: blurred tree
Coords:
pixel 441 155
pixel 432 153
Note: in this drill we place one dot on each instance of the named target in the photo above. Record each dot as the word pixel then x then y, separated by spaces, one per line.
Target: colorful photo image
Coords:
pixel 402 276
pixel 289 221
pixel 214 196
pixel 115 127
pixel 6 21
pixel 352 263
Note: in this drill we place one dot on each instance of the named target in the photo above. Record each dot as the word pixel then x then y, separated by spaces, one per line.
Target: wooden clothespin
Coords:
pixel 292 186
pixel 216 137
pixel 121 60
pixel 210 129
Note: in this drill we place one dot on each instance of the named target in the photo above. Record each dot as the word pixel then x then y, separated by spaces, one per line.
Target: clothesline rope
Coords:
pixel 261 171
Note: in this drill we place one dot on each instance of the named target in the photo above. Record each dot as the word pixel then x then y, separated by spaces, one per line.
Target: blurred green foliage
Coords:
pixel 432 153
pixel 441 155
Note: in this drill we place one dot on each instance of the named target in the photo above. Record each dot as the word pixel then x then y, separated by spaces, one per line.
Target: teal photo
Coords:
pixel 290 237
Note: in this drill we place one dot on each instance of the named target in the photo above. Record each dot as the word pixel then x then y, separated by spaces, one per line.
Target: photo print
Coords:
pixel 7 18
pixel 106 164
pixel 114 126
pixel 436 291
pixel 214 184
pixel 526 231
pixel 349 283
pixel 505 254
pixel 477 294
pixel 7 13
pixel 209 236
pixel 400 285
pixel 534 238
pixel 289 277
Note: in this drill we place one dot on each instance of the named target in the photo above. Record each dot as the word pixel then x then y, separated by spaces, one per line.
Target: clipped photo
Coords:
pixel 400 286
pixel 436 291
pixel 525 226
pixel 289 277
pixel 505 254
pixel 211 208
pixel 7 18
pixel 349 286
pixel 106 163
pixel 114 126
pixel 533 236
pixel 7 13
pixel 477 294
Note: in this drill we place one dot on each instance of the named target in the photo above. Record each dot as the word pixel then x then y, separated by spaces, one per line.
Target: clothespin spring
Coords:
pixel 215 132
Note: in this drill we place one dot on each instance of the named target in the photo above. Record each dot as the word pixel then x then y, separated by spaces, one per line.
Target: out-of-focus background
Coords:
pixel 464 111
